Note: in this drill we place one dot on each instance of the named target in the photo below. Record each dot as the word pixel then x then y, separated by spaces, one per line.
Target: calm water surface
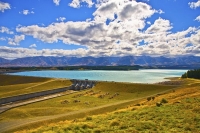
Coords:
pixel 141 76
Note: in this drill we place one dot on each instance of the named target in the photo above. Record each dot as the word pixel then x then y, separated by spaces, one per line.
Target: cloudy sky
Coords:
pixel 99 28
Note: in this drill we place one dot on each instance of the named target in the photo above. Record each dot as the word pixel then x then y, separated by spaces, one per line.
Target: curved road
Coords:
pixel 9 106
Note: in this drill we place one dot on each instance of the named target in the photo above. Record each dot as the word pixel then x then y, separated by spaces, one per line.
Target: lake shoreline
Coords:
pixel 149 76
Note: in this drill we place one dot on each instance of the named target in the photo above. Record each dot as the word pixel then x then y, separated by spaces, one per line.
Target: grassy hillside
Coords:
pixel 105 97
pixel 12 79
pixel 179 112
pixel 103 93
pixel 10 90
pixel 108 107
pixel 16 85
pixel 18 89
pixel 131 90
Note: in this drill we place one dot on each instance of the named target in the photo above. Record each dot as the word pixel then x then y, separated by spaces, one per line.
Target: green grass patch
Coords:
pixel 10 90
pixel 168 118
pixel 130 90
pixel 34 86
pixel 108 96
pixel 13 79
pixel 113 93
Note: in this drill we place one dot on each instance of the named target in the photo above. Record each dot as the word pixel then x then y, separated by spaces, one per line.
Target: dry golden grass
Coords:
pixel 181 113
pixel 112 92
pixel 12 79
pixel 136 116
pixel 24 85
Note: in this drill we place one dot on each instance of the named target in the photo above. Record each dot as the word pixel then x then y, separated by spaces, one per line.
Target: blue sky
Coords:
pixel 99 28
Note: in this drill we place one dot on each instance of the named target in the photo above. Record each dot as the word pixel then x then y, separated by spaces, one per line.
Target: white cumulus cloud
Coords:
pixel 33 46
pixel 148 22
pixel 4 6
pixel 26 12
pixel 194 5
pixel 117 30
pixel 5 30
pixel 16 40
pixel 160 11
pixel 57 2
pixel 61 19
pixel 77 3
pixel 19 52
pixel 159 26
pixel 198 18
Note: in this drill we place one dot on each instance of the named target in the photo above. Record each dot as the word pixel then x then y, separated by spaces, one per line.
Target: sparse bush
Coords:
pixel 152 98
pixel 133 109
pixel 158 104
pixel 187 127
pixel 88 118
pixel 148 98
pixel 137 104
pixel 85 126
pixel 75 120
pixel 76 101
pixel 123 127
pixel 68 128
pixel 76 127
pixel 163 101
pixel 114 123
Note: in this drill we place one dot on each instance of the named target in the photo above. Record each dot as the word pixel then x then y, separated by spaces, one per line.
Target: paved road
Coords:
pixel 51 80
pixel 6 126
pixel 9 106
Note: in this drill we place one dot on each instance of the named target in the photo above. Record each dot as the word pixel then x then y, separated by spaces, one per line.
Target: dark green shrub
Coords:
pixel 163 101
pixel 133 109
pixel 85 126
pixel 137 104
pixel 123 127
pixel 158 104
pixel 148 98
pixel 88 118
pixel 152 98
pixel 114 123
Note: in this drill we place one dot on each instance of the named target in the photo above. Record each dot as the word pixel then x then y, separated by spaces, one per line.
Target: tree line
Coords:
pixel 192 74
pixel 135 67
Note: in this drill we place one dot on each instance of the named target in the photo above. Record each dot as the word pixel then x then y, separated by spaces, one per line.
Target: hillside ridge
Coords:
pixel 47 61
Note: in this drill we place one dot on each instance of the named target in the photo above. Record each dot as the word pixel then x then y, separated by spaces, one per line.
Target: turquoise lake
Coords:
pixel 138 76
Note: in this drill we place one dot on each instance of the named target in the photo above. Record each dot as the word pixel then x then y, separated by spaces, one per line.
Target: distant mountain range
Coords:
pixel 41 61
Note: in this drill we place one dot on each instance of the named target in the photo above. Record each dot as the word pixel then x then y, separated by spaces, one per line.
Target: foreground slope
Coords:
pixel 179 112
pixel 104 97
